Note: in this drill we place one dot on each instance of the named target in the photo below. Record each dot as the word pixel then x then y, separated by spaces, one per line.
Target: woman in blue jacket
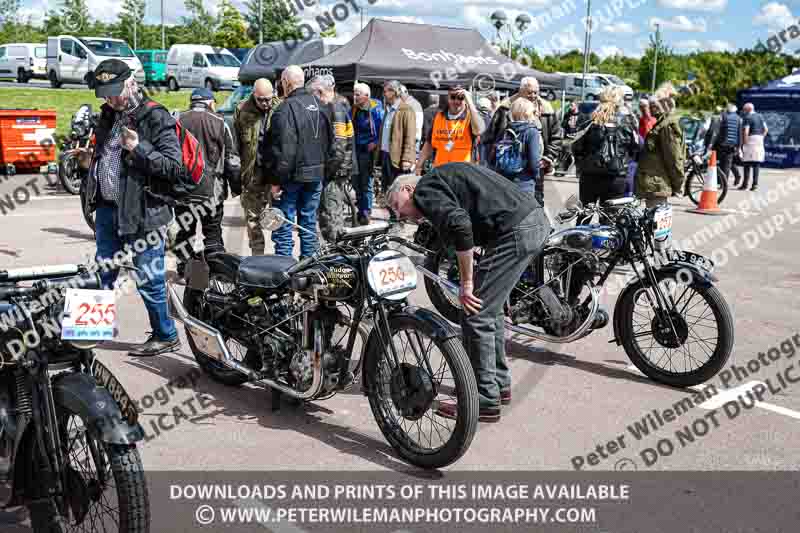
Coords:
pixel 526 126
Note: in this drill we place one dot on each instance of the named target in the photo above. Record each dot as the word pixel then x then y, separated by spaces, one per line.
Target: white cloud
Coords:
pixel 719 46
pixel 681 23
pixel 695 5
pixel 691 44
pixel 774 15
pixel 621 27
pixel 609 51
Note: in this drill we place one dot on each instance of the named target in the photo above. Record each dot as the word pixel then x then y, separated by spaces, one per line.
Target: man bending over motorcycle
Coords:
pixel 473 206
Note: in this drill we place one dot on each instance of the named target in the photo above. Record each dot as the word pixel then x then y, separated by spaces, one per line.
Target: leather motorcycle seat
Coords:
pixel 262 271
pixel 265 271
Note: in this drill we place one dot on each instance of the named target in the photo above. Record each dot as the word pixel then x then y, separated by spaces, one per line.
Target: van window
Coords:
pixel 160 57
pixel 198 61
pixel 66 46
pixel 41 52
pixel 2 51
pixel 17 51
pixel 105 48
pixel 223 60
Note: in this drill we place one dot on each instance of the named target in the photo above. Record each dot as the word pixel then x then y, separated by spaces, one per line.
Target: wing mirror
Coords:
pixel 272 219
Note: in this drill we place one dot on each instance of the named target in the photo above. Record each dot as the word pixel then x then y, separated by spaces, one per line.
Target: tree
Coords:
pixel 199 27
pixel 278 22
pixel 231 28
pixel 131 22
pixel 666 66
pixel 74 17
pixel 9 9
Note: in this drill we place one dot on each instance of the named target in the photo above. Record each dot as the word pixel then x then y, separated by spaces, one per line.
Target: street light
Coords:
pixel 499 19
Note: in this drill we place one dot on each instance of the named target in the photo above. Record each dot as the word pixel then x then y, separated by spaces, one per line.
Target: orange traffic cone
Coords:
pixel 708 198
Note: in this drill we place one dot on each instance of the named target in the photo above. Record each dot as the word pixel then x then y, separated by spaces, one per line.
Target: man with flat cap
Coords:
pixel 136 160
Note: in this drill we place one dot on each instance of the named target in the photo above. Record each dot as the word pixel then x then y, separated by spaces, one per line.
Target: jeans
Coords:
pixel 528 186
pixel 747 166
pixel 151 276
pixel 211 220
pixel 495 277
pixel 301 201
pixel 362 182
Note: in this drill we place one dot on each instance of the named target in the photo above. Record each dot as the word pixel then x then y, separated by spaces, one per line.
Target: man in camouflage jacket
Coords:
pixel 660 173
pixel 251 122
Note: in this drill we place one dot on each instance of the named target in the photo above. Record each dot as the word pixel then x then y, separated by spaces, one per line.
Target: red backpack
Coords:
pixel 194 164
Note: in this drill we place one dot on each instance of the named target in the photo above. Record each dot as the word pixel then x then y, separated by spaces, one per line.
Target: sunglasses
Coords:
pixel 459 97
pixel 263 99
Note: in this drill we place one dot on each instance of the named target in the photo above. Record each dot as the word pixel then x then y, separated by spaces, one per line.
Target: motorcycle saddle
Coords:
pixel 262 271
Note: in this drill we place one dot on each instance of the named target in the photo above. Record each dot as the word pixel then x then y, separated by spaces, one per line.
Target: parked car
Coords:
pixel 610 79
pixel 23 61
pixel 193 65
pixel 574 82
pixel 72 59
pixel 154 63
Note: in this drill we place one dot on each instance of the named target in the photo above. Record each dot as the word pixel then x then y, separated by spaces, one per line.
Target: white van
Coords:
pixel 23 61
pixel 610 79
pixel 196 65
pixel 70 59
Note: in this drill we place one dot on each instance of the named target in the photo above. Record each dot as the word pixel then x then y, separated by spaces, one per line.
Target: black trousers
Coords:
pixel 211 221
pixel 747 166
pixel 726 163
pixel 593 189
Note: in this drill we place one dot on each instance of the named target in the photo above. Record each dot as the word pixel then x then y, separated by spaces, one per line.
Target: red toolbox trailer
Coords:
pixel 27 139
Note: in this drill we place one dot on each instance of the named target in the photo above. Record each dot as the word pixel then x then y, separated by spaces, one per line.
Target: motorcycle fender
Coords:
pixel 432 323
pixel 681 271
pixel 81 394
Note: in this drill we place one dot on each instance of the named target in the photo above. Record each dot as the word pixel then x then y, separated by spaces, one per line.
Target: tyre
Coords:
pixel 69 173
pixel 210 85
pixel 193 302
pixel 54 81
pixel 445 303
pixel 22 77
pixel 695 183
pixel 172 85
pixel 88 214
pixel 712 322
pixel 117 500
pixel 399 409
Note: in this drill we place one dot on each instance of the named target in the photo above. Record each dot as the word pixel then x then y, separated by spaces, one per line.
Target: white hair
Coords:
pixel 400 182
pixel 529 81
pixel 294 75
pixel 732 108
pixel 362 88
pixel 749 108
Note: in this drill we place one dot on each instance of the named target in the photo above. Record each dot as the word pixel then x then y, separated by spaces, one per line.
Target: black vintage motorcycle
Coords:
pixel 68 430
pixel 76 150
pixel 672 322
pixel 295 327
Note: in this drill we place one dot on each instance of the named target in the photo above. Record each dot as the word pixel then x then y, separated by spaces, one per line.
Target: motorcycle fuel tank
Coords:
pixel 343 278
pixel 599 240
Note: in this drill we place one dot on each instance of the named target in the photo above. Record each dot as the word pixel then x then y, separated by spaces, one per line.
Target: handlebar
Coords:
pixel 85 280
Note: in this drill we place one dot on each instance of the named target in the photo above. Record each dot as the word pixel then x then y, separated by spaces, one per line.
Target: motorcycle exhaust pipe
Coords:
pixel 209 340
pixel 577 334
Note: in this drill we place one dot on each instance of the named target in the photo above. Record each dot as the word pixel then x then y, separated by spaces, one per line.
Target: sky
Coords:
pixel 620 26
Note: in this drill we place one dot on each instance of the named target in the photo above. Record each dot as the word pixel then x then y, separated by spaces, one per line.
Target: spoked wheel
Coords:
pixel 445 264
pixel 69 173
pixel 193 302
pixel 405 397
pixel 105 486
pixel 682 346
pixel 695 183
pixel 88 214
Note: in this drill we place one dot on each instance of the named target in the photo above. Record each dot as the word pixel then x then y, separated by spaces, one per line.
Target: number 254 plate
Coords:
pixel 392 275
pixel 89 315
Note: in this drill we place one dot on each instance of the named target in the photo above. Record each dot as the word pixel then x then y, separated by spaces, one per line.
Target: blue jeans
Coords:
pixel 362 182
pixel 150 278
pixel 301 201
pixel 528 186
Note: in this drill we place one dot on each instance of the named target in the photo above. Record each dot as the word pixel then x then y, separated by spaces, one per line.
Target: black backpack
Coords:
pixel 601 149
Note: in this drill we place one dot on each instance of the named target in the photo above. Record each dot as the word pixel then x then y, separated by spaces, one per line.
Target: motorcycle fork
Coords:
pixel 47 433
pixel 661 306
pixel 383 329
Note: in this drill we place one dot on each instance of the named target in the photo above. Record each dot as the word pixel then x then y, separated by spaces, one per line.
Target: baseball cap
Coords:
pixel 109 77
pixel 202 94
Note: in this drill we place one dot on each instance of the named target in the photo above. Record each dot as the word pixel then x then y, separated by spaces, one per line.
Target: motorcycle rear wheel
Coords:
pixel 69 173
pixel 397 409
pixel 446 304
pixel 88 214
pixel 695 183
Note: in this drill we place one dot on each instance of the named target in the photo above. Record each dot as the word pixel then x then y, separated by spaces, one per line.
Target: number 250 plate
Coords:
pixel 392 275
pixel 89 315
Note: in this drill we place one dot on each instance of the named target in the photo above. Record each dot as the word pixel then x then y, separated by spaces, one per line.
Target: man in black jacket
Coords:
pixel 300 146
pixel 471 206
pixel 222 169
pixel 137 154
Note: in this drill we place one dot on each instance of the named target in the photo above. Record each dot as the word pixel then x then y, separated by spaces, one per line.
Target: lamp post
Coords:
pixel 163 34
pixel 260 23
pixel 587 46
pixel 522 22
pixel 655 59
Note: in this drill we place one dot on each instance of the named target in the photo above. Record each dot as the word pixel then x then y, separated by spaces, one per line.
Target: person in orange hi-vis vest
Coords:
pixel 455 132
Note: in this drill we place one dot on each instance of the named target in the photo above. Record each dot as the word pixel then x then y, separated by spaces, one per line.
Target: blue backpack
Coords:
pixel 509 155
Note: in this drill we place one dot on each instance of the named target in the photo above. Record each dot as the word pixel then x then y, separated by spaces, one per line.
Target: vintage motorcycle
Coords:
pixel 295 327
pixel 672 322
pixel 68 429
pixel 76 150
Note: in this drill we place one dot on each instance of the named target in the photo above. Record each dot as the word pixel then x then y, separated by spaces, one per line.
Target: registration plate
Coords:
pixel 697 260
pixel 89 315
pixel 392 275
pixel 106 379
pixel 662 223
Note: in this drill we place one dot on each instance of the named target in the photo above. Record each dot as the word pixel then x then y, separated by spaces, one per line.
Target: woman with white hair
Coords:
pixel 604 150
pixel 754 130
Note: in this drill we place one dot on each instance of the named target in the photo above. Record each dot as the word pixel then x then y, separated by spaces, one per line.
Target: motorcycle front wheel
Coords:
pixel 69 173
pixel 680 347
pixel 88 214
pixel 405 397
pixel 105 484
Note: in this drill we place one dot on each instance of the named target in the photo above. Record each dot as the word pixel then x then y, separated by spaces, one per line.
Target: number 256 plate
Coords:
pixel 89 315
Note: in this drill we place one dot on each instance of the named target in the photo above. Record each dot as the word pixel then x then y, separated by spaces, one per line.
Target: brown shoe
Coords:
pixel 505 397
pixel 485 414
